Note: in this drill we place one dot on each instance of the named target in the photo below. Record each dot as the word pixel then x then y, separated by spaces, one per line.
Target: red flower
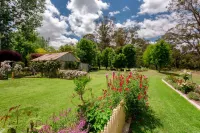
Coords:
pixel 127 89
pixel 139 96
pixel 120 90
pixel 140 82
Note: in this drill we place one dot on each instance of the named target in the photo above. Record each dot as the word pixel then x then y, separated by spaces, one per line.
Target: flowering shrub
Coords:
pixel 133 89
pixel 4 69
pixel 187 87
pixel 17 70
pixel 186 75
pixel 9 55
pixel 71 74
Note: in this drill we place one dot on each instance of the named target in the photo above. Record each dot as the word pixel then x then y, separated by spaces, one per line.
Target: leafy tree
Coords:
pixel 161 54
pixel 86 51
pixel 187 30
pixel 147 56
pixel 105 57
pixel 99 59
pixel 104 33
pixel 121 37
pixel 67 48
pixel 119 61
pixel 129 52
pixel 119 50
pixel 90 37
pixel 25 15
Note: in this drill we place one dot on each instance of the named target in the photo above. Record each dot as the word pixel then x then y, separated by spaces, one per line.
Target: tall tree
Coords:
pixel 187 30
pixel 86 51
pixel 104 33
pixel 25 15
pixel 161 54
pixel 129 52
pixel 105 57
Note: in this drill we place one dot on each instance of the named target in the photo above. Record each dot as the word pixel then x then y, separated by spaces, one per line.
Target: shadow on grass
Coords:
pixel 169 73
pixel 148 122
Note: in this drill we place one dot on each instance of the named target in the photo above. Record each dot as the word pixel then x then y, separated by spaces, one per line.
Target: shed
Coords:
pixel 61 57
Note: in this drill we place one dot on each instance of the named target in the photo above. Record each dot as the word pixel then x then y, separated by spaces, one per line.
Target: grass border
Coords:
pixel 181 94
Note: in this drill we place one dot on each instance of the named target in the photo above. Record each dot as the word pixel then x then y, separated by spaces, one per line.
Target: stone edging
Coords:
pixel 184 96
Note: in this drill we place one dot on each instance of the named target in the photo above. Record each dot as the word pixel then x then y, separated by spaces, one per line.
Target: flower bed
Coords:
pixel 71 74
pixel 185 86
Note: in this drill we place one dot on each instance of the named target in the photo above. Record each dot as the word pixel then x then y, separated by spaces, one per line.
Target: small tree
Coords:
pixel 119 61
pixel 86 51
pixel 161 54
pixel 99 59
pixel 105 57
pixel 147 55
pixel 129 52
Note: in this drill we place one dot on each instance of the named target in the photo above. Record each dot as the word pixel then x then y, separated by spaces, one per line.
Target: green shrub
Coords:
pixel 194 96
pixel 187 87
pixel 197 90
pixel 172 78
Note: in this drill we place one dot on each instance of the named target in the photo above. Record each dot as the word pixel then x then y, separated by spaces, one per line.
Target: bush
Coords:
pixel 187 87
pixel 119 61
pixel 71 65
pixel 197 90
pixel 9 55
pixel 172 78
pixel 4 69
pixel 17 70
pixel 194 96
pixel 35 55
pixel 47 69
pixel 71 74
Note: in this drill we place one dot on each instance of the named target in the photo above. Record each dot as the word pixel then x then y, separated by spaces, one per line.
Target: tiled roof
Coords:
pixel 47 57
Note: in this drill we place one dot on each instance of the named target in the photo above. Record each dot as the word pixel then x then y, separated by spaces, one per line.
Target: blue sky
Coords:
pixel 66 21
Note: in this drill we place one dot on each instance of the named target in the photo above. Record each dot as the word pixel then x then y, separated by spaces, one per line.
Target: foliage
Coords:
pixel 4 69
pixel 186 75
pixel 99 59
pixel 172 78
pixel 47 69
pixel 193 95
pixel 34 55
pixel 9 55
pixel 187 29
pixel 86 51
pixel 105 57
pixel 187 87
pixel 129 52
pixel 80 90
pixel 27 13
pixel 17 69
pixel 67 48
pixel 148 55
pixel 71 74
pixel 98 116
pixel 119 61
pixel 71 65
pixel 40 50
pixel 134 89
pixel 121 37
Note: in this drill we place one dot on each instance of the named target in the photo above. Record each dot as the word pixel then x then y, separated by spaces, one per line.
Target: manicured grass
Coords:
pixel 171 112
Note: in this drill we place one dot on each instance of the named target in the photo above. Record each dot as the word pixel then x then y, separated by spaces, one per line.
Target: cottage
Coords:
pixel 65 58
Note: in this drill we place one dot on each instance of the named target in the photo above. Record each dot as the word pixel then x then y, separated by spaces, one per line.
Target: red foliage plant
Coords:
pixel 9 55
pixel 35 55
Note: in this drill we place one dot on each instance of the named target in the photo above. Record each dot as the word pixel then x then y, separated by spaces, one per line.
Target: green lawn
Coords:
pixel 172 113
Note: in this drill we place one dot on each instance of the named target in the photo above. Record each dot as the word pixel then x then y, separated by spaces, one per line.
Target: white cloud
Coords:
pixel 54 27
pixel 114 13
pixel 154 6
pixel 83 15
pixel 128 24
pixel 158 27
pixel 126 8
pixel 134 16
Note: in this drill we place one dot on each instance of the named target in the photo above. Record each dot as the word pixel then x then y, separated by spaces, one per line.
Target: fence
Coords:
pixel 117 120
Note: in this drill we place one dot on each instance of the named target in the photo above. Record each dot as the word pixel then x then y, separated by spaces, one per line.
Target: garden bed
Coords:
pixel 193 102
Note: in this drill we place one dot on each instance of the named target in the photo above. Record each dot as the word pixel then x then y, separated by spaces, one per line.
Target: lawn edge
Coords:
pixel 190 101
